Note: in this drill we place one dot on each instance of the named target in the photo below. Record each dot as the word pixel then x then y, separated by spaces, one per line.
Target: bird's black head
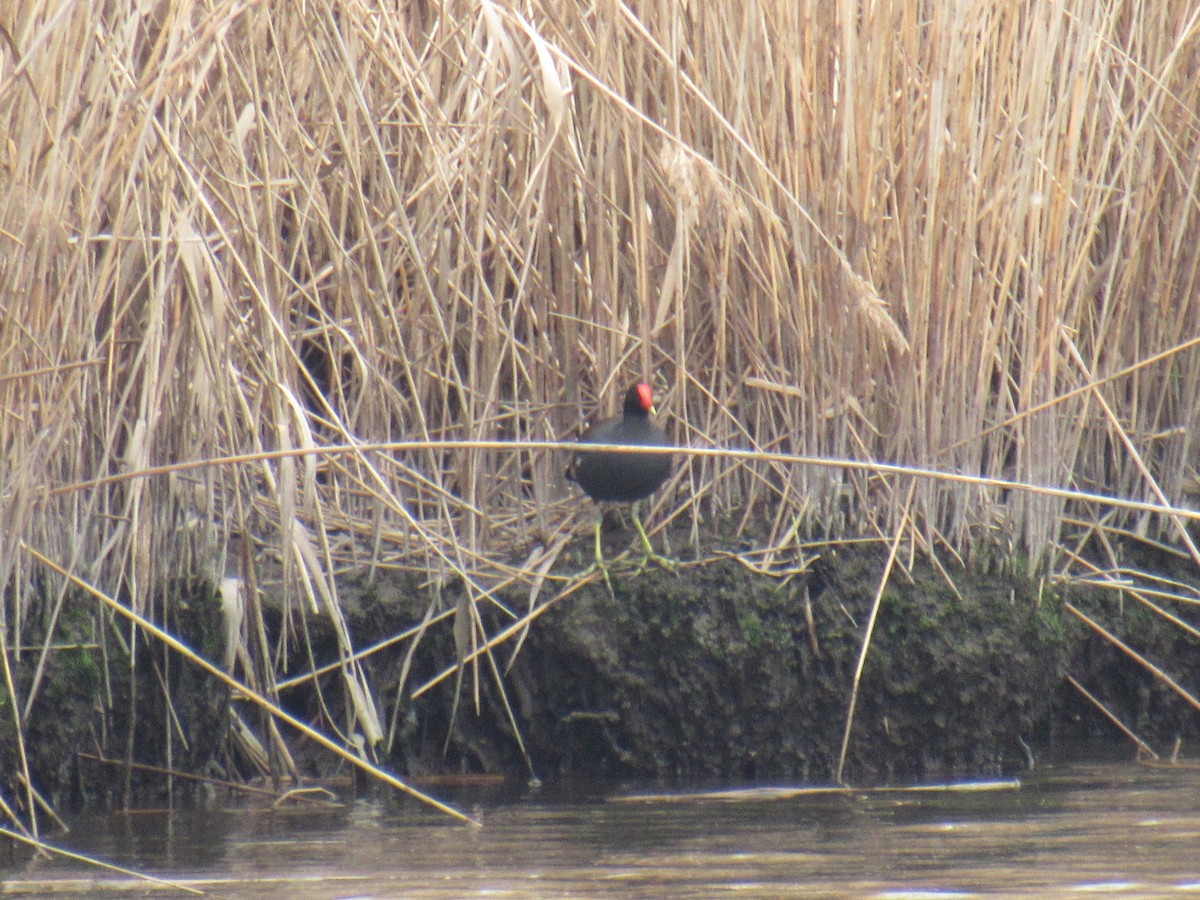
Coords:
pixel 639 400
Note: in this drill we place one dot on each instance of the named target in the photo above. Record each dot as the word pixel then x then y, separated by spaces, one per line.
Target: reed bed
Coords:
pixel 245 247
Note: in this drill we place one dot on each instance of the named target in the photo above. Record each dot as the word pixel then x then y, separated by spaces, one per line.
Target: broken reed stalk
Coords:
pixel 872 467
pixel 42 846
pixel 19 732
pixel 1134 655
pixel 1111 716
pixel 1132 451
pixel 257 699
pixel 231 786
pixel 758 794
pixel 284 683
pixel 869 630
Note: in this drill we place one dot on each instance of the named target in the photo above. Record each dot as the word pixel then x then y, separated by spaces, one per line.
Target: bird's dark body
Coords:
pixel 610 477
pixel 621 477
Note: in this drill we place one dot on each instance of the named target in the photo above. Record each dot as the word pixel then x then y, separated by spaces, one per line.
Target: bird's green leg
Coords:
pixel 669 564
pixel 599 563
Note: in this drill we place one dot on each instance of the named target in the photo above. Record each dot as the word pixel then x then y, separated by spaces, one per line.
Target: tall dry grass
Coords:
pixel 951 236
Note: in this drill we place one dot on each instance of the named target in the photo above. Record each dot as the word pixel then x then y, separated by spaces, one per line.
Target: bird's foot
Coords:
pixel 602 567
pixel 649 555
pixel 658 559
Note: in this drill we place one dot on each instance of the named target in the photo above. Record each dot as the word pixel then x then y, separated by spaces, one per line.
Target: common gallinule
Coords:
pixel 611 477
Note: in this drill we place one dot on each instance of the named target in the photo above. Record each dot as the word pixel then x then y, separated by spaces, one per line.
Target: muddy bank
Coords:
pixel 714 673
pixel 718 673
pixel 101 693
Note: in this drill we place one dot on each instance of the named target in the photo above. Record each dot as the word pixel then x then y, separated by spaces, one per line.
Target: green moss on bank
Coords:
pixel 88 695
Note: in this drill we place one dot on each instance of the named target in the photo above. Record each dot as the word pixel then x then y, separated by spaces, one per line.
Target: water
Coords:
pixel 1120 829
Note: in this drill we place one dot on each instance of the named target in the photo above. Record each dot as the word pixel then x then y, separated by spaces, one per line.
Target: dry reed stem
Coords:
pixel 232 786
pixel 43 847
pixel 1158 673
pixel 866 466
pixel 260 701
pixel 1112 717
pixel 868 631
pixel 759 794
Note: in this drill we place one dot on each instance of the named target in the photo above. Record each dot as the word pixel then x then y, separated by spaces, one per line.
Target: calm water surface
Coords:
pixel 1123 830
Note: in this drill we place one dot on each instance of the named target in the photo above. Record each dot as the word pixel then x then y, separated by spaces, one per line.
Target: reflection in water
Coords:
pixel 1124 829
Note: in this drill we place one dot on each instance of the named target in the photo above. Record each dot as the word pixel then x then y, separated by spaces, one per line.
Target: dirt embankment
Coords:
pixel 718 673
pixel 713 673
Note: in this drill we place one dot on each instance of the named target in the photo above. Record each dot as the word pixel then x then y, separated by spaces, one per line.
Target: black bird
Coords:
pixel 611 477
